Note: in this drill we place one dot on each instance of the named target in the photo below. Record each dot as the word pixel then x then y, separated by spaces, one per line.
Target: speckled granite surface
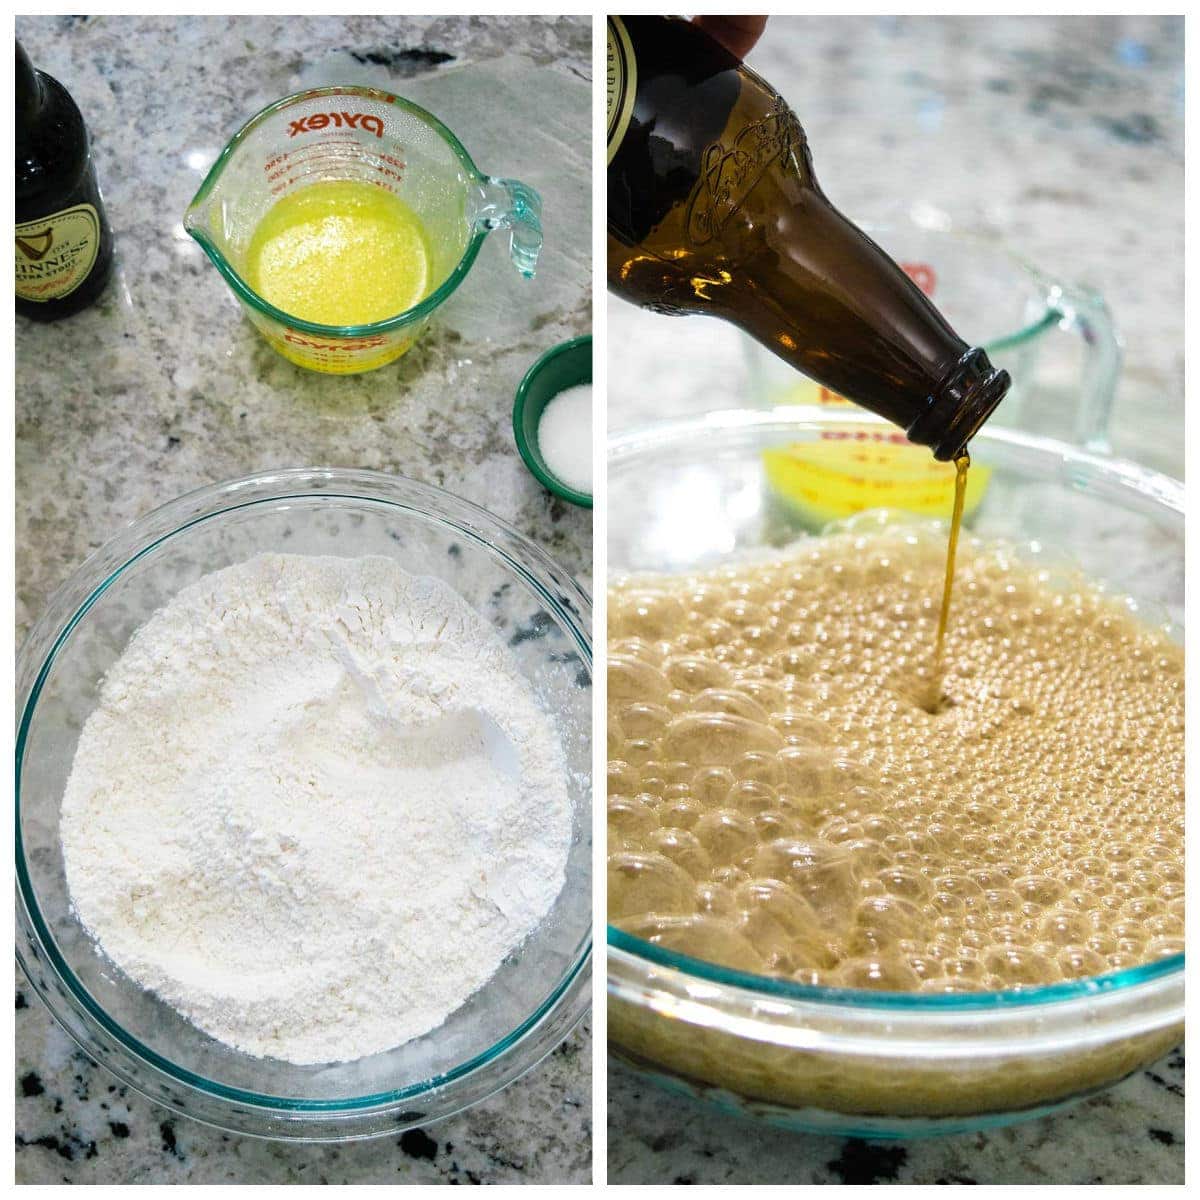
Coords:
pixel 1064 137
pixel 163 387
pixel 1131 1134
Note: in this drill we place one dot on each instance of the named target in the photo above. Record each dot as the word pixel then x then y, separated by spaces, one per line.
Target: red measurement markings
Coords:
pixel 862 435
pixel 350 344
pixel 922 274
pixel 289 168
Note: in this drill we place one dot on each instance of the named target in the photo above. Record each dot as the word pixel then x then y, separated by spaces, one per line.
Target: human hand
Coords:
pixel 737 34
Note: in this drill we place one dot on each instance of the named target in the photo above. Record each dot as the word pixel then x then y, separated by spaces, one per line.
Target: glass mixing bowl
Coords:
pixel 542 988
pixel 687 494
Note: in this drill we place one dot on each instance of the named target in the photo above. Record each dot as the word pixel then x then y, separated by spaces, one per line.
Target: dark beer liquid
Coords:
pixel 961 465
pixel 713 207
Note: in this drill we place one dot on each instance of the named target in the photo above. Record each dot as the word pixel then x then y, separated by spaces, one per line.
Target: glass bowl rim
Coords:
pixel 217 501
pixel 625 445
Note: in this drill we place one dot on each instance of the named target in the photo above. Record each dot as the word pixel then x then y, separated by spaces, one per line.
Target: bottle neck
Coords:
pixel 959 406
pixel 29 91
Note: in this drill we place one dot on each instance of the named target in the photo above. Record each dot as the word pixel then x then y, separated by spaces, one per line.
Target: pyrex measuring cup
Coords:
pixel 994 299
pixel 357 133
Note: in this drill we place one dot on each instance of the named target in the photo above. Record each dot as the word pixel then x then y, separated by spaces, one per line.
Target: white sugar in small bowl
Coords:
pixel 505 1027
pixel 552 421
pixel 564 437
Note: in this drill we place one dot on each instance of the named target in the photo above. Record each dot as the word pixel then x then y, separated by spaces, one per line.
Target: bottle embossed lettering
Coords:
pixel 64 244
pixel 713 208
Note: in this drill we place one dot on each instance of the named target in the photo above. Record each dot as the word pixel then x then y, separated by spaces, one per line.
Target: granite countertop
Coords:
pixel 163 386
pixel 1063 137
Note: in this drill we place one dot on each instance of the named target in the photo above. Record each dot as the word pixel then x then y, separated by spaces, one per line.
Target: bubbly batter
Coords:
pixel 784 799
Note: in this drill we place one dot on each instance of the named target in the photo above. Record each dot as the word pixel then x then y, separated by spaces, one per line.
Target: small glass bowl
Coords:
pixel 684 495
pixel 542 988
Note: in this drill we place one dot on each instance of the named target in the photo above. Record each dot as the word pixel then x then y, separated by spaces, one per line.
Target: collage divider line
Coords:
pixel 599 608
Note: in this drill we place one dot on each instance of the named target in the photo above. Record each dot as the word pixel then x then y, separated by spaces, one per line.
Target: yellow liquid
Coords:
pixel 340 252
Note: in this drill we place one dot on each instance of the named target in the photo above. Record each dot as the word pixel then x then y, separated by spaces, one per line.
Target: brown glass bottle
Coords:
pixel 713 208
pixel 64 246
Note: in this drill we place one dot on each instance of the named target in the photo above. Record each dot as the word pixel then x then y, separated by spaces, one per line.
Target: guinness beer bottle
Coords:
pixel 64 242
pixel 713 208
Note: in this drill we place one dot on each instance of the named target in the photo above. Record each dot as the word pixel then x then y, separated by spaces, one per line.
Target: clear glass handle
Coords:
pixel 1083 311
pixel 515 206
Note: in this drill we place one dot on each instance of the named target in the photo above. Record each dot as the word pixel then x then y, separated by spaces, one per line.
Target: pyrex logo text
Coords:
pixel 364 121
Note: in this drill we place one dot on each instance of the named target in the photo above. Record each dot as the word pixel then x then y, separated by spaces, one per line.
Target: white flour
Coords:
pixel 316 806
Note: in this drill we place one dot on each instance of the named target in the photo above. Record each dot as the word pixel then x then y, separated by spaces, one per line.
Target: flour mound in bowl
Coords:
pixel 316 807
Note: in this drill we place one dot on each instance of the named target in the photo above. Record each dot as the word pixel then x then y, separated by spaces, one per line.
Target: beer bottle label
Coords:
pixel 622 83
pixel 55 254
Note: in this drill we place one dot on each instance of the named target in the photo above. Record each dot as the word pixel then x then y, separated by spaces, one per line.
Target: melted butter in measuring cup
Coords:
pixel 340 252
